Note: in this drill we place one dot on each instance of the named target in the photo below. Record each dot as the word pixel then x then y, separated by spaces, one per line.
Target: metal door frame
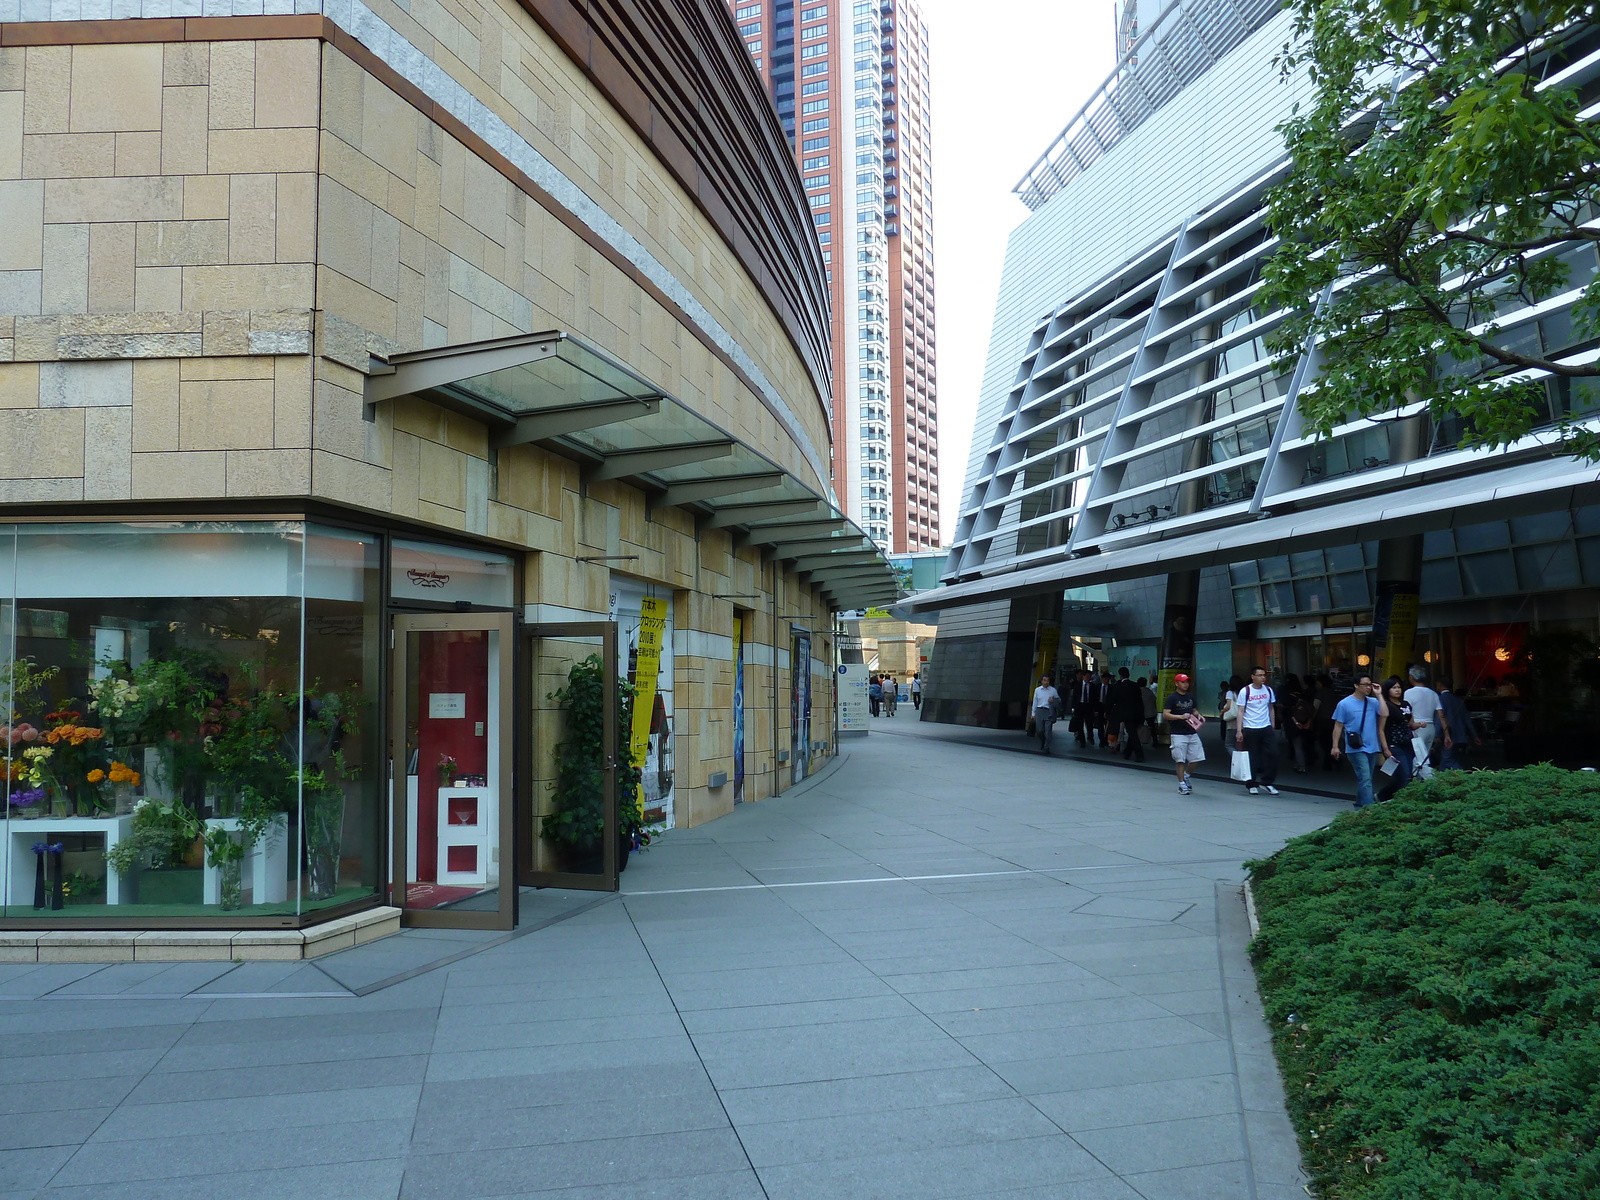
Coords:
pixel 527 834
pixel 503 623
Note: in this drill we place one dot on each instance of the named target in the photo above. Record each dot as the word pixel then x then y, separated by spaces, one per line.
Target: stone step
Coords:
pixel 197 945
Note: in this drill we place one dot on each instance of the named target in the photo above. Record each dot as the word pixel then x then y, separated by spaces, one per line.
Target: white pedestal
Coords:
pixel 464 823
pixel 24 833
pixel 264 874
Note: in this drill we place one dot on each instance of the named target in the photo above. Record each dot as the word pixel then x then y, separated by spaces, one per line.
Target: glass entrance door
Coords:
pixel 452 758
pixel 567 758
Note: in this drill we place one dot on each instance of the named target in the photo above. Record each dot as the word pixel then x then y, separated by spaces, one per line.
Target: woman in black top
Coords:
pixel 1398 727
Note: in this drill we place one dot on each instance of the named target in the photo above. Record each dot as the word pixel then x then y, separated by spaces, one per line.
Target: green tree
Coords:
pixel 1441 177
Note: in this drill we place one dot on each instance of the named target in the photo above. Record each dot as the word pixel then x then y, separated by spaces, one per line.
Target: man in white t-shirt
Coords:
pixel 1258 732
pixel 1425 705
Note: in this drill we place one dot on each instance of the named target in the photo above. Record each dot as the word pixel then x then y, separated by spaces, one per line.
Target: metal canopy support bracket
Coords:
pixel 817 562
pixel 536 427
pixel 727 485
pixel 772 535
pixel 819 545
pixel 1275 476
pixel 743 514
pixel 619 464
pixel 429 369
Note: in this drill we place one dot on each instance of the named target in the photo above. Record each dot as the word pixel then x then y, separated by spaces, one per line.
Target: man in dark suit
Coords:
pixel 1084 700
pixel 1127 714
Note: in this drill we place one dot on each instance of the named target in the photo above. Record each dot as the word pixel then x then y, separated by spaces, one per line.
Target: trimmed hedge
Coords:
pixel 1431 970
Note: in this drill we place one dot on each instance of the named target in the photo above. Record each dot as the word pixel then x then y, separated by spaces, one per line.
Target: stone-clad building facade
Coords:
pixel 485 320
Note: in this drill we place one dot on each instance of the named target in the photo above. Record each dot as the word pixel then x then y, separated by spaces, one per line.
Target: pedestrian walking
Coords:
pixel 1302 724
pixel 1325 701
pixel 916 691
pixel 1357 728
pixel 1046 706
pixel 891 695
pixel 1127 710
pixel 1083 702
pixel 875 693
pixel 1258 732
pixel 1183 730
pixel 1425 706
pixel 1228 707
pixel 1106 713
pixel 1455 722
pixel 1147 697
pixel 1399 727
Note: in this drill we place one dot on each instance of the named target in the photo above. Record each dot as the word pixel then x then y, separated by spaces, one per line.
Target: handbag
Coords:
pixel 1240 768
pixel 1353 736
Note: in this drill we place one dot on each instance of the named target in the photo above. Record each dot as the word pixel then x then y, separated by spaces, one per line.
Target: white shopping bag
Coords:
pixel 1240 769
pixel 1419 749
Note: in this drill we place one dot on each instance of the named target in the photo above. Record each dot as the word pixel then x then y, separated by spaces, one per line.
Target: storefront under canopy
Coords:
pixel 1350 515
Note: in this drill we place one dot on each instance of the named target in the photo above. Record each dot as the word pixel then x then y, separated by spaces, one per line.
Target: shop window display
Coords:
pixel 192 721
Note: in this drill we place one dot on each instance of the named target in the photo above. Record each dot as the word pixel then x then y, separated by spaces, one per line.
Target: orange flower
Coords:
pixel 97 776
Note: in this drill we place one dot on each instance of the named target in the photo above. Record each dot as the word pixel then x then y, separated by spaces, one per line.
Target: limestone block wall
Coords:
pixel 157 279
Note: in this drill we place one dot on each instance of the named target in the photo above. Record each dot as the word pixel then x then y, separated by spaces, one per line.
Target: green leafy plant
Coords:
pixel 1442 175
pixel 1431 971
pixel 162 833
pixel 577 818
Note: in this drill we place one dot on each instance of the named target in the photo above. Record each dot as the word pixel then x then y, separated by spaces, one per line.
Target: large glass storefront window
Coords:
pixel 193 719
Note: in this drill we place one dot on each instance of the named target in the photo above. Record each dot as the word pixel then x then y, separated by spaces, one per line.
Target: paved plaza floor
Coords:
pixel 938 970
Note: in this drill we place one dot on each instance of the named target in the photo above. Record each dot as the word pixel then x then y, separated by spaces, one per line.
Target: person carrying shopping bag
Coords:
pixel 1258 732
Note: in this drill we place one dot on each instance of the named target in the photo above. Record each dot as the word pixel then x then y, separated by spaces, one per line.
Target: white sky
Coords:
pixel 1007 75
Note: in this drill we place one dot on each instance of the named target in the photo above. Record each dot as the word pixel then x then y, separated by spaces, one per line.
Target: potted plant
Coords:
pixel 576 819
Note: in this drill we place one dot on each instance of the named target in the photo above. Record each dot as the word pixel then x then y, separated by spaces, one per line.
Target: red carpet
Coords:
pixel 432 895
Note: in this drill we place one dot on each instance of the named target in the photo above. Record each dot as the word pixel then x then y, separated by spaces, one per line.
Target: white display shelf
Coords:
pixel 24 833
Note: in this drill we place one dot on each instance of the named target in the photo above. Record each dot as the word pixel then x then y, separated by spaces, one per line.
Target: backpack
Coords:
pixel 1304 711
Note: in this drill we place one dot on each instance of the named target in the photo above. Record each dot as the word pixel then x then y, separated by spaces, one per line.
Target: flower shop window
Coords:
pixel 193 720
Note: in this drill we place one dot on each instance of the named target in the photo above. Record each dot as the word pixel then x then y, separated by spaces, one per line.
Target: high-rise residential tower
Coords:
pixel 849 79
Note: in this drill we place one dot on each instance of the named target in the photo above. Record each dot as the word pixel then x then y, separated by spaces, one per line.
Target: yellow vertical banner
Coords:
pixel 646 673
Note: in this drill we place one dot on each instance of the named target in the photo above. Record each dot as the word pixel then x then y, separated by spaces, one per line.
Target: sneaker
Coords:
pixel 1271 791
pixel 1255 791
pixel 1185 787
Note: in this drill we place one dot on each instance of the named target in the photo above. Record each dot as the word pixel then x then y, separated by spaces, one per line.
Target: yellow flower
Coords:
pixel 97 775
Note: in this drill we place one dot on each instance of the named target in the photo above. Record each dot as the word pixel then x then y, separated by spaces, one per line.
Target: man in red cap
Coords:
pixel 1183 727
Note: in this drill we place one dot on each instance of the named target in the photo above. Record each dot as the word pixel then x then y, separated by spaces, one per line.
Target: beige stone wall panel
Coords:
pixel 116 88
pixel 22 217
pixel 205 198
pixel 186 64
pixel 348 481
pixel 253 219
pixel 155 405
pixel 269 472
pixel 287 83
pixel 111 262
pixel 180 244
pixel 225 414
pixel 41 443
pixel 11 134
pixel 232 83
pixel 67 155
pixel 108 454
pixel 182 475
pixel 155 198
pixel 19 385
pixel 138 153
pixel 48 80
pixel 277 286
pixel 66 269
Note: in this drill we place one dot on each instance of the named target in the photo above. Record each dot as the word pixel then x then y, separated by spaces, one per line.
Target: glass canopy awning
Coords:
pixel 570 397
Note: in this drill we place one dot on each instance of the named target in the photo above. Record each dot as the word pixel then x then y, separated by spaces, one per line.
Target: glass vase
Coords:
pixel 230 884
pixel 60 804
pixel 324 835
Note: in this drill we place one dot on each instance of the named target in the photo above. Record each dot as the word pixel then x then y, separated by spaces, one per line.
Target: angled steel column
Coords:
pixel 1279 475
pixel 1089 522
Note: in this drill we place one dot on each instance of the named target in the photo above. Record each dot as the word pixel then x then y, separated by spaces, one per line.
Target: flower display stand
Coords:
pixel 265 870
pixel 23 835
pixel 464 823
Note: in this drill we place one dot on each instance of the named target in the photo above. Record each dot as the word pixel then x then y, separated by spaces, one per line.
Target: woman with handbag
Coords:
pixel 1399 728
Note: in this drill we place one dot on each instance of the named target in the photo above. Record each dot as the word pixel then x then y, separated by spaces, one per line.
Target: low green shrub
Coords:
pixel 1431 970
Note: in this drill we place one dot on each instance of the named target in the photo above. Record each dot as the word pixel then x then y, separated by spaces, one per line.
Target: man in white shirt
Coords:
pixel 1046 704
pixel 1258 732
pixel 1425 705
